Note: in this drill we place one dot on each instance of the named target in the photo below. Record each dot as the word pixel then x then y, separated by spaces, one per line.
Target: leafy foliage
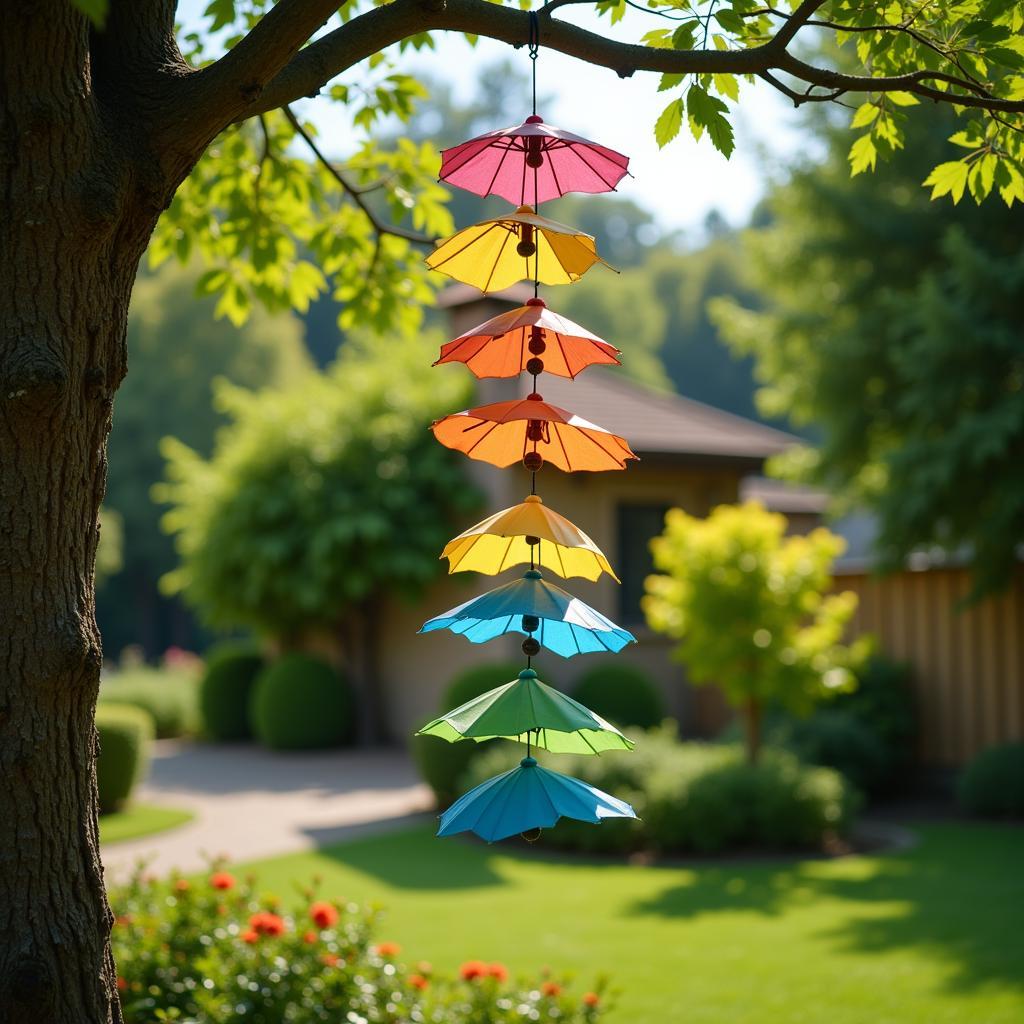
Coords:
pixel 699 797
pixel 124 732
pixel 216 950
pixel 750 609
pixel 225 689
pixel 320 497
pixel 897 333
pixel 168 694
pixel 993 783
pixel 625 695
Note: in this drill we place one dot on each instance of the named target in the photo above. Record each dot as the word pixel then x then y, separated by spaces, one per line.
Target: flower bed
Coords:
pixel 213 952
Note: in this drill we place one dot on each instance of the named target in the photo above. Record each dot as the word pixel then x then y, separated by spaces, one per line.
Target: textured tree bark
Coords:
pixel 76 209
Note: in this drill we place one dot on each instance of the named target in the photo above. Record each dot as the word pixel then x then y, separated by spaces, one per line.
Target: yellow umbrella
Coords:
pixel 495 254
pixel 502 541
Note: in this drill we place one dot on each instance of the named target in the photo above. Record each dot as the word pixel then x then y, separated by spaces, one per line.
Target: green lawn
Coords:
pixel 932 935
pixel 140 820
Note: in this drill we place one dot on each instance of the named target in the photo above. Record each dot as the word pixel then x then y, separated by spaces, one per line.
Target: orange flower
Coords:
pixel 473 969
pixel 182 885
pixel 122 984
pixel 591 999
pixel 222 880
pixel 124 919
pixel 250 935
pixel 324 915
pixel 387 949
pixel 425 967
pixel 310 937
pixel 330 959
pixel 551 988
pixel 418 981
pixel 267 923
pixel 499 971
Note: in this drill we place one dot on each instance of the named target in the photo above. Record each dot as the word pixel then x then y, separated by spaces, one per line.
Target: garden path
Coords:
pixel 251 803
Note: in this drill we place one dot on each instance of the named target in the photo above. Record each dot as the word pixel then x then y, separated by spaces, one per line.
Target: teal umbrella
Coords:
pixel 531 712
pixel 527 798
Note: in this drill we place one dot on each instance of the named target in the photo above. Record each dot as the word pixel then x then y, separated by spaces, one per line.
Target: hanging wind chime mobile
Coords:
pixel 527 165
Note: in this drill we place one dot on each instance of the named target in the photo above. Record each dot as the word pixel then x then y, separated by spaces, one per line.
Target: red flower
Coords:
pixel 499 971
pixel 182 885
pixel 122 984
pixel 387 949
pixel 473 969
pixel 324 915
pixel 591 999
pixel 222 880
pixel 330 959
pixel 418 981
pixel 123 919
pixel 310 937
pixel 551 988
pixel 267 923
pixel 250 935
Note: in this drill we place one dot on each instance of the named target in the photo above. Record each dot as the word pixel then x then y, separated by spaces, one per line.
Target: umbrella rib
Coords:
pixel 472 241
pixel 504 554
pixel 591 167
pixel 593 440
pixel 554 174
pixel 565 355
pixel 497 260
pixel 482 437
pixel 558 434
pixel 497 170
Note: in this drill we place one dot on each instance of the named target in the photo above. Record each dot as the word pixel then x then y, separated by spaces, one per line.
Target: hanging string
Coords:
pixel 534 47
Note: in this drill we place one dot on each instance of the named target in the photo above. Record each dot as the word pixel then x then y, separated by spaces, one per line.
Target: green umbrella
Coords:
pixel 527 710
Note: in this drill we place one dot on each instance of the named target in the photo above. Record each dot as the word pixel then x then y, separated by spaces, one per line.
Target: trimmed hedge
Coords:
pixel 170 697
pixel 301 703
pixel 624 695
pixel 226 689
pixel 125 734
pixel 837 739
pixel 698 797
pixel 441 764
pixel 993 783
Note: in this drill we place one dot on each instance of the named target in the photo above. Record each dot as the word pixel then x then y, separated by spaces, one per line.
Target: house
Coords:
pixel 691 455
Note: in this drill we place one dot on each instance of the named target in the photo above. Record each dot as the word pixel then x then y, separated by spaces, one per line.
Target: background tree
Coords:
pixel 897 333
pixel 107 124
pixel 320 500
pixel 178 349
pixel 749 608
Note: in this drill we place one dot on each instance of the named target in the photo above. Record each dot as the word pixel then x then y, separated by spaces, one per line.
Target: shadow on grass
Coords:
pixel 958 896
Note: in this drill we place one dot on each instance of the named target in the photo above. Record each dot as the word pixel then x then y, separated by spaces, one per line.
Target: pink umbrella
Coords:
pixel 532 163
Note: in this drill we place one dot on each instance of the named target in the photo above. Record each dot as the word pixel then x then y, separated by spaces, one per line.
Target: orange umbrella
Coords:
pixel 531 338
pixel 535 431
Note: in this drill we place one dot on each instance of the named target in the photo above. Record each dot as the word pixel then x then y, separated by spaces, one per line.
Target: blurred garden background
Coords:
pixel 819 553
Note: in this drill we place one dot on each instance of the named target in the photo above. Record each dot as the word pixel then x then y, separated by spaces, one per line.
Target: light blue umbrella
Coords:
pixel 526 798
pixel 562 623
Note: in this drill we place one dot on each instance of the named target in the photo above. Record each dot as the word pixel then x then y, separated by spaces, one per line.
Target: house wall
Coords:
pixel 415 670
pixel 968 663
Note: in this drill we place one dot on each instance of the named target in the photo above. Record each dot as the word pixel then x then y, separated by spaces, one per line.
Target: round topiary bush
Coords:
pixel 624 695
pixel 441 764
pixel 837 739
pixel 125 734
pixel 169 696
pixel 301 703
pixel 993 783
pixel 225 690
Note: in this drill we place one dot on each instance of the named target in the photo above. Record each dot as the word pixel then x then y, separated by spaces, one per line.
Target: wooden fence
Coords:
pixel 968 662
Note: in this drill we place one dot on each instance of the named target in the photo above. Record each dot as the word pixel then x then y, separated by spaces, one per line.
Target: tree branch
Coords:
pixel 316 64
pixel 357 195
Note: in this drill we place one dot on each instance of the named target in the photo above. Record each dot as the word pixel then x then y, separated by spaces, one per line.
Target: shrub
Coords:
pixel 125 733
pixel 993 783
pixel 622 694
pixel 168 695
pixel 226 688
pixel 301 703
pixel 441 764
pixel 838 739
pixel 700 797
pixel 210 951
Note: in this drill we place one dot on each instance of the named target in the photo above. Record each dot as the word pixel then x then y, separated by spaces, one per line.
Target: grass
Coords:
pixel 140 820
pixel 931 935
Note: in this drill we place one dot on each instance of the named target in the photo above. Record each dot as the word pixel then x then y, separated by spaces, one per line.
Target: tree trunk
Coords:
pixel 752 714
pixel 78 202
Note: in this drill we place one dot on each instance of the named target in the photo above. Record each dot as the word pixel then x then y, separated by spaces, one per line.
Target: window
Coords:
pixel 637 524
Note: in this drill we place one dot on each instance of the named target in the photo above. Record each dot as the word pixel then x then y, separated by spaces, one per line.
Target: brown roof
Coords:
pixel 780 496
pixel 660 424
pixel 459 294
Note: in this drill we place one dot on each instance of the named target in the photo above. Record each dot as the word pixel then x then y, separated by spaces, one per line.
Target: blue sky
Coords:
pixel 681 183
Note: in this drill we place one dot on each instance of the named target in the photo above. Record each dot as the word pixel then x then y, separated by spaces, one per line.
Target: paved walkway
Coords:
pixel 252 803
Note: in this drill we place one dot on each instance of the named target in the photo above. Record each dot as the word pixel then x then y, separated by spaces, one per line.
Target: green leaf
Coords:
pixel 949 179
pixel 866 113
pixel 709 112
pixel 668 124
pixel 94 10
pixel 863 155
pixel 669 81
pixel 727 85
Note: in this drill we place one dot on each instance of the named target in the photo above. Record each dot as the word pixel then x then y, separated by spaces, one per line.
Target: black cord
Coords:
pixel 534 48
